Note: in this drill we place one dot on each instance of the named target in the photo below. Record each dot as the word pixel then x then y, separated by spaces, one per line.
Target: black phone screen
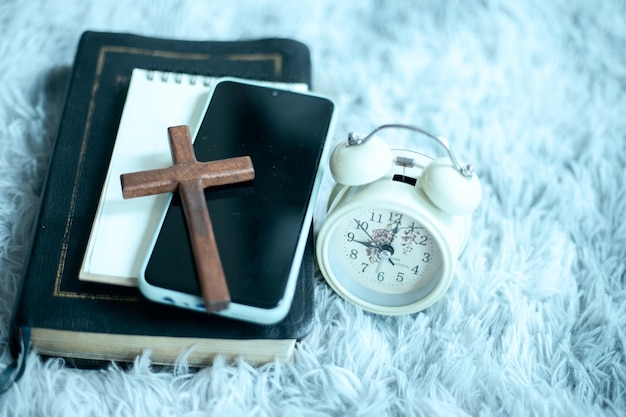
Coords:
pixel 257 224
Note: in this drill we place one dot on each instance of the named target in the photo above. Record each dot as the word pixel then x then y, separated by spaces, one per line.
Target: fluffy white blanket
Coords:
pixel 532 92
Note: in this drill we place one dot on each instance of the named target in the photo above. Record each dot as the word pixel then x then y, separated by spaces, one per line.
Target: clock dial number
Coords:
pixel 387 251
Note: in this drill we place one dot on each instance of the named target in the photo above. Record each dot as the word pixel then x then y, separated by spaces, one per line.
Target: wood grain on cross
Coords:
pixel 190 178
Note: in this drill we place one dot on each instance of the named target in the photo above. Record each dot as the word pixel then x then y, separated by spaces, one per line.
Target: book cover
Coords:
pixel 52 301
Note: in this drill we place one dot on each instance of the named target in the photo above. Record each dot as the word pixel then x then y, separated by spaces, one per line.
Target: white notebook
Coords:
pixel 123 229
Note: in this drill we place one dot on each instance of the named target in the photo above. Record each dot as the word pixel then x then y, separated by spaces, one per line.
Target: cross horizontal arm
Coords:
pixel 166 180
pixel 143 183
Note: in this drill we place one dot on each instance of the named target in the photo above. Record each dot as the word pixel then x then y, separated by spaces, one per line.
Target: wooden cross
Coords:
pixel 190 178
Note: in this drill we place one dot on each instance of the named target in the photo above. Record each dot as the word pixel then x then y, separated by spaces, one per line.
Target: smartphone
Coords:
pixel 261 226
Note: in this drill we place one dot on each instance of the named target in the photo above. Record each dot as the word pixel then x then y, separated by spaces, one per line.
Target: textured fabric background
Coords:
pixel 532 92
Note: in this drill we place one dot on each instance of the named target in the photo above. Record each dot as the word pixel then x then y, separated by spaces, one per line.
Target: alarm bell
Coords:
pixel 451 192
pixel 450 186
pixel 360 163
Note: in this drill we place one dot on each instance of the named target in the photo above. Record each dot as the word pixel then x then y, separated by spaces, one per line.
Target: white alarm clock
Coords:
pixel 396 223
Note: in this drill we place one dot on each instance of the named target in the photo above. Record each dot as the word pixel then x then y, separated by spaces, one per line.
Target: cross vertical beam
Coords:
pixel 190 178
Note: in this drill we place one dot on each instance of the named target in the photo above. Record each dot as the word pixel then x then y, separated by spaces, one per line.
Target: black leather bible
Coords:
pixel 63 316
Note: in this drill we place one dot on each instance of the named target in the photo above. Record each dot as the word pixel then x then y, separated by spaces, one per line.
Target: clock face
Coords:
pixel 387 251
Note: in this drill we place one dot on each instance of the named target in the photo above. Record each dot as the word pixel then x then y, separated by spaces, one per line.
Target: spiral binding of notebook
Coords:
pixel 179 77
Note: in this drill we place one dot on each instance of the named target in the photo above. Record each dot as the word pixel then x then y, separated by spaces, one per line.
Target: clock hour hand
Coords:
pixel 366 244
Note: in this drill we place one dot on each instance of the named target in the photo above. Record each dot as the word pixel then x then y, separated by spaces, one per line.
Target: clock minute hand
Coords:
pixel 374 243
